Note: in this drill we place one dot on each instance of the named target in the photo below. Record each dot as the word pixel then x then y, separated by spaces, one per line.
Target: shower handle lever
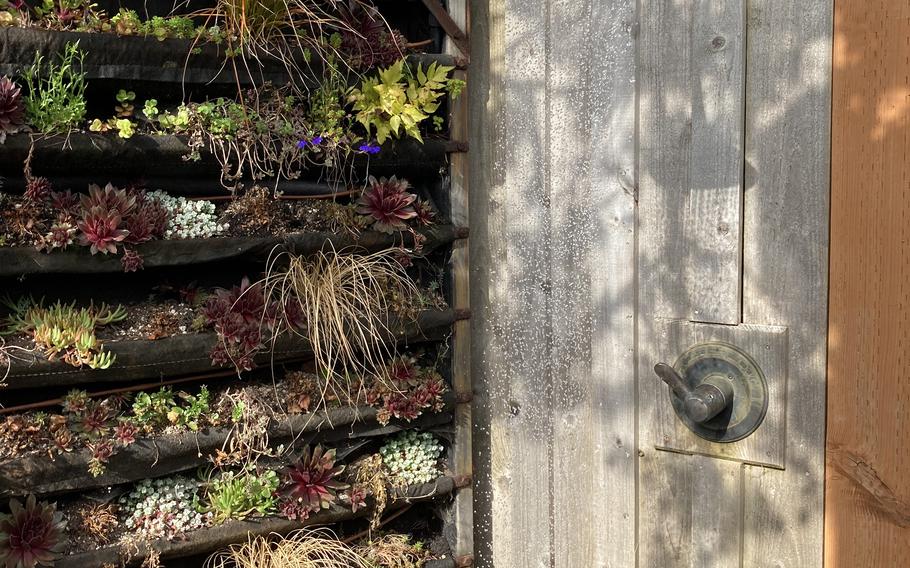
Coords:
pixel 702 402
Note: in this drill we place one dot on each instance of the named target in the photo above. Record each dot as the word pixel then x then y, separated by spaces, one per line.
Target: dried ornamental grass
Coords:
pixel 305 548
pixel 345 300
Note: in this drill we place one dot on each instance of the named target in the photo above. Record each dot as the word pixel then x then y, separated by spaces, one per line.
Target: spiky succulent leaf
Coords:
pixel 311 481
pixel 101 230
pixel 31 535
pixel 388 203
pixel 12 111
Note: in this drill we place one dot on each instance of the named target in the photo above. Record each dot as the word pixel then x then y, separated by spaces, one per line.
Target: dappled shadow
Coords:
pixel 555 292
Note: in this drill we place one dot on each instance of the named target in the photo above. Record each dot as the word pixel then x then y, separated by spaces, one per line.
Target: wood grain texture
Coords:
pixel 665 514
pixel 553 289
pixel 867 498
pixel 691 131
pixel 693 517
pixel 788 102
pixel 767 345
pixel 460 452
pixel 592 218
pixel 510 248
pixel 717 528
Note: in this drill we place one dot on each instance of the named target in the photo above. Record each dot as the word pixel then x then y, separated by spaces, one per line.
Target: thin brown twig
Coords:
pixel 385 521
pixel 333 195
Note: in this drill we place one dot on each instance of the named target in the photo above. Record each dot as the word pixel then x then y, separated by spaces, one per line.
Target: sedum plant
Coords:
pixel 64 331
pixel 189 219
pixel 164 408
pixel 238 495
pixel 55 102
pixel 163 508
pixel 31 535
pixel 412 457
pixel 396 100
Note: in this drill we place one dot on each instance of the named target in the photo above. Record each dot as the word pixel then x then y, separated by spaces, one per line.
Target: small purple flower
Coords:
pixel 369 148
pixel 315 141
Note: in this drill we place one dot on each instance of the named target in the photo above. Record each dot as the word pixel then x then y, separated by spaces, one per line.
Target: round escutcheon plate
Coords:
pixel 750 391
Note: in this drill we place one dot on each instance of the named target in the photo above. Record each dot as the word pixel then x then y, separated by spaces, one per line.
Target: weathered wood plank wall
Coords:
pixel 632 195
pixel 867 519
pixel 552 200
pixel 785 261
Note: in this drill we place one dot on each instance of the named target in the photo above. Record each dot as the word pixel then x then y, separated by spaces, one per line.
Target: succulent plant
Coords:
pixel 148 221
pixel 388 203
pixel 425 213
pixel 110 199
pixel 125 432
pixel 76 401
pixel 65 201
pixel 63 331
pixel 189 219
pixel 12 110
pixel 163 508
pixel 102 450
pixel 366 39
pixel 412 457
pixel 239 316
pixel 411 389
pixel 310 483
pixel 101 230
pixel 94 420
pixel 38 188
pixel 31 535
pixel 131 260
pixel 60 236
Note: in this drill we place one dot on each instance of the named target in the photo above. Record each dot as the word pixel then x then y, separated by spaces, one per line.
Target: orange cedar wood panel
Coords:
pixel 867 496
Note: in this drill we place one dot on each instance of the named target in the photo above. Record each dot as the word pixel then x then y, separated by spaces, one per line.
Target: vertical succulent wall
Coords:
pixel 224 240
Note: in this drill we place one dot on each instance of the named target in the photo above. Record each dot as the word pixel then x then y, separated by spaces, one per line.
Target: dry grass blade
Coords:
pixel 392 551
pixel 345 301
pixel 305 548
pixel 293 32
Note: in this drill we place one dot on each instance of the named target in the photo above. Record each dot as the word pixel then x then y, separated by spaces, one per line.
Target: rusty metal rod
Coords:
pixel 131 388
pixel 448 24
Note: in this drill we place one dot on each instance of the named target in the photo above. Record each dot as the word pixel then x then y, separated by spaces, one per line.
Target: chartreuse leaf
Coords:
pixel 398 99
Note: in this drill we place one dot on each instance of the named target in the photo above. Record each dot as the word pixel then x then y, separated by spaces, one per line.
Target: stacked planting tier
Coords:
pixel 227 304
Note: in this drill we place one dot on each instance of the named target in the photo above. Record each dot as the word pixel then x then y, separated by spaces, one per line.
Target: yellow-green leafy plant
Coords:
pixel 397 100
pixel 64 331
pixel 121 122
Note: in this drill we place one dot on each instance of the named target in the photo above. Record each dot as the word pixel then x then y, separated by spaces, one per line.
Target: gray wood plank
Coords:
pixel 665 513
pixel 460 452
pixel 692 516
pixel 591 155
pixel 785 261
pixel 691 117
pixel 767 345
pixel 717 519
pixel 510 292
